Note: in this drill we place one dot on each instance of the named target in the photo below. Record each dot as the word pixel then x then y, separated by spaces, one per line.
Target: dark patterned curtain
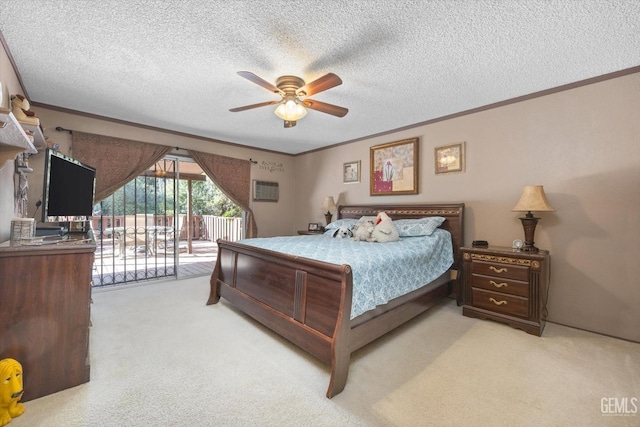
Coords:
pixel 117 161
pixel 233 178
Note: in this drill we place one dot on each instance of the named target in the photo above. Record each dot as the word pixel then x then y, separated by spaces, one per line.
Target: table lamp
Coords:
pixel 329 204
pixel 531 199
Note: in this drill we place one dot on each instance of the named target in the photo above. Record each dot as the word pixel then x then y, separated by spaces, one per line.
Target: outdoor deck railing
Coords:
pixel 202 227
pixel 217 227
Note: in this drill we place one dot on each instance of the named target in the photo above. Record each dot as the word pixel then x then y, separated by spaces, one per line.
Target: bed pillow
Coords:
pixel 418 227
pixel 347 222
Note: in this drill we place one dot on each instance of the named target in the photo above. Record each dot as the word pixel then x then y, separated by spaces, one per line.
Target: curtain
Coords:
pixel 117 161
pixel 233 178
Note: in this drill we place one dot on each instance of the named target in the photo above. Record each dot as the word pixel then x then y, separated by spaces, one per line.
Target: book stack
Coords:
pixel 22 228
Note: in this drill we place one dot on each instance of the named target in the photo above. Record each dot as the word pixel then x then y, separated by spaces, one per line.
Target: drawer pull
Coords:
pixel 497 302
pixel 498 270
pixel 498 285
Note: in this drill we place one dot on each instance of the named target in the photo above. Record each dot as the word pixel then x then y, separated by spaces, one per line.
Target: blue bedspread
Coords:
pixel 381 271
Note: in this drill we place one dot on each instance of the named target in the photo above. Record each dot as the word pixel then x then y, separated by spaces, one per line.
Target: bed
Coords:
pixel 309 301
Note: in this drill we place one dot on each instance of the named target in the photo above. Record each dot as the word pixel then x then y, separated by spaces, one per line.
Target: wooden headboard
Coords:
pixel 453 212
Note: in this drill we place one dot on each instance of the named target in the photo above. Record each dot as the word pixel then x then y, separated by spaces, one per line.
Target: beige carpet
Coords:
pixel 161 357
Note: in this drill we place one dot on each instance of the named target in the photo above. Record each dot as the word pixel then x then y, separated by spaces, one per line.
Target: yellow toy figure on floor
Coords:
pixel 10 390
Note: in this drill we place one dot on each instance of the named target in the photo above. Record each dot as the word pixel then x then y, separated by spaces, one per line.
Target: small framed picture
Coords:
pixel 351 172
pixel 450 158
pixel 314 226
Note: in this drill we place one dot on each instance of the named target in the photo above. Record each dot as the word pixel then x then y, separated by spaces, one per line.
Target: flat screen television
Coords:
pixel 68 189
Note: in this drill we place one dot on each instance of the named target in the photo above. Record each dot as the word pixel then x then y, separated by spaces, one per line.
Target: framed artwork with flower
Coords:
pixel 394 168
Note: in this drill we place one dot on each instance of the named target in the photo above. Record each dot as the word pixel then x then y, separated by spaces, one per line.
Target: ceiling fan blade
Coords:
pixel 321 84
pixel 249 107
pixel 260 82
pixel 323 107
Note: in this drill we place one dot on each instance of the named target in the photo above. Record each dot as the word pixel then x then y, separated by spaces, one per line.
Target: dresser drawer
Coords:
pixel 500 303
pixel 497 269
pixel 500 284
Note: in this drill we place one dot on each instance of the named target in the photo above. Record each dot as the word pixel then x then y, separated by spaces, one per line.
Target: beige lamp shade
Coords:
pixel 533 199
pixel 329 204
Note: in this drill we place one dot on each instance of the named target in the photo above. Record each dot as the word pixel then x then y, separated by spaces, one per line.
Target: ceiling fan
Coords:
pixel 294 92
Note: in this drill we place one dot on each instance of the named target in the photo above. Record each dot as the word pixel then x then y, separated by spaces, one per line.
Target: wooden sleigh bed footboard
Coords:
pixel 308 302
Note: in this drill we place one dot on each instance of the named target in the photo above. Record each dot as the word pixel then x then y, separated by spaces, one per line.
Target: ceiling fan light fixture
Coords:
pixel 292 89
pixel 290 111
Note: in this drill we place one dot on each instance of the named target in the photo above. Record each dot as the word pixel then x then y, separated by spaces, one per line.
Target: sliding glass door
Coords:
pixel 137 229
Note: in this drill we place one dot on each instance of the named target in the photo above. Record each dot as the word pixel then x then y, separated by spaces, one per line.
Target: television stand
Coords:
pixel 45 292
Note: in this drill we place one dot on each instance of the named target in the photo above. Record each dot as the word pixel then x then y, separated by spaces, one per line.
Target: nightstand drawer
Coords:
pixel 500 270
pixel 500 303
pixel 499 284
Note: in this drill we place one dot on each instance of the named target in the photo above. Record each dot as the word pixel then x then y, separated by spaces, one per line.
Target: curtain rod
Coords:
pixel 61 129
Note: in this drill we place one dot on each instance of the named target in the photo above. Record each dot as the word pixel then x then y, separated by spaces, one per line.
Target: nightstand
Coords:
pixel 506 285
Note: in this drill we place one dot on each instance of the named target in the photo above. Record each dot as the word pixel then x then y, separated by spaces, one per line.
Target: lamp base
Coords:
pixel 529 223
pixel 328 217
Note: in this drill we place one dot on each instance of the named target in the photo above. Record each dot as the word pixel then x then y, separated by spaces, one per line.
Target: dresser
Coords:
pixel 45 293
pixel 506 285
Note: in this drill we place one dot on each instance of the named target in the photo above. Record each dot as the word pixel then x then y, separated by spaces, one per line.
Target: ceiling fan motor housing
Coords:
pixel 289 85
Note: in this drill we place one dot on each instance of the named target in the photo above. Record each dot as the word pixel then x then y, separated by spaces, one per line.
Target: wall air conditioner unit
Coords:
pixel 265 191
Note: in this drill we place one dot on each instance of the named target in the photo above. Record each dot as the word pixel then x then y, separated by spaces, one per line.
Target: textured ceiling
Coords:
pixel 172 64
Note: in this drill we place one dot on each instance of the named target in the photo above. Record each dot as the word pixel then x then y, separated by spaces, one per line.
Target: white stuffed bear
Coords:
pixel 362 230
pixel 384 231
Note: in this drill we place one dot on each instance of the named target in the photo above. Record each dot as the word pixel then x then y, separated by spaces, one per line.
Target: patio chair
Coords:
pixel 134 235
pixel 167 239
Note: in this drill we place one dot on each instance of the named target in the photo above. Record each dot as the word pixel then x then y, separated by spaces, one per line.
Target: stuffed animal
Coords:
pixel 10 390
pixel 342 232
pixel 21 109
pixel 362 230
pixel 384 231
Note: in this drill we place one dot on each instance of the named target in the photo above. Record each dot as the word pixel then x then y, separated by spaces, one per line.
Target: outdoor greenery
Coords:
pixel 158 196
pixel 207 200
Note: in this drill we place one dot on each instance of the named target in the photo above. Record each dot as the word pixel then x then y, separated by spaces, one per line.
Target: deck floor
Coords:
pixel 110 269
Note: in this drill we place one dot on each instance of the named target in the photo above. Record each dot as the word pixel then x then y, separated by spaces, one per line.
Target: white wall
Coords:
pixel 583 145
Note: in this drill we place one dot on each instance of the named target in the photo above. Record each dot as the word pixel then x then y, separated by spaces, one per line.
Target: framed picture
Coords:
pixel 351 172
pixel 450 158
pixel 394 168
pixel 314 226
